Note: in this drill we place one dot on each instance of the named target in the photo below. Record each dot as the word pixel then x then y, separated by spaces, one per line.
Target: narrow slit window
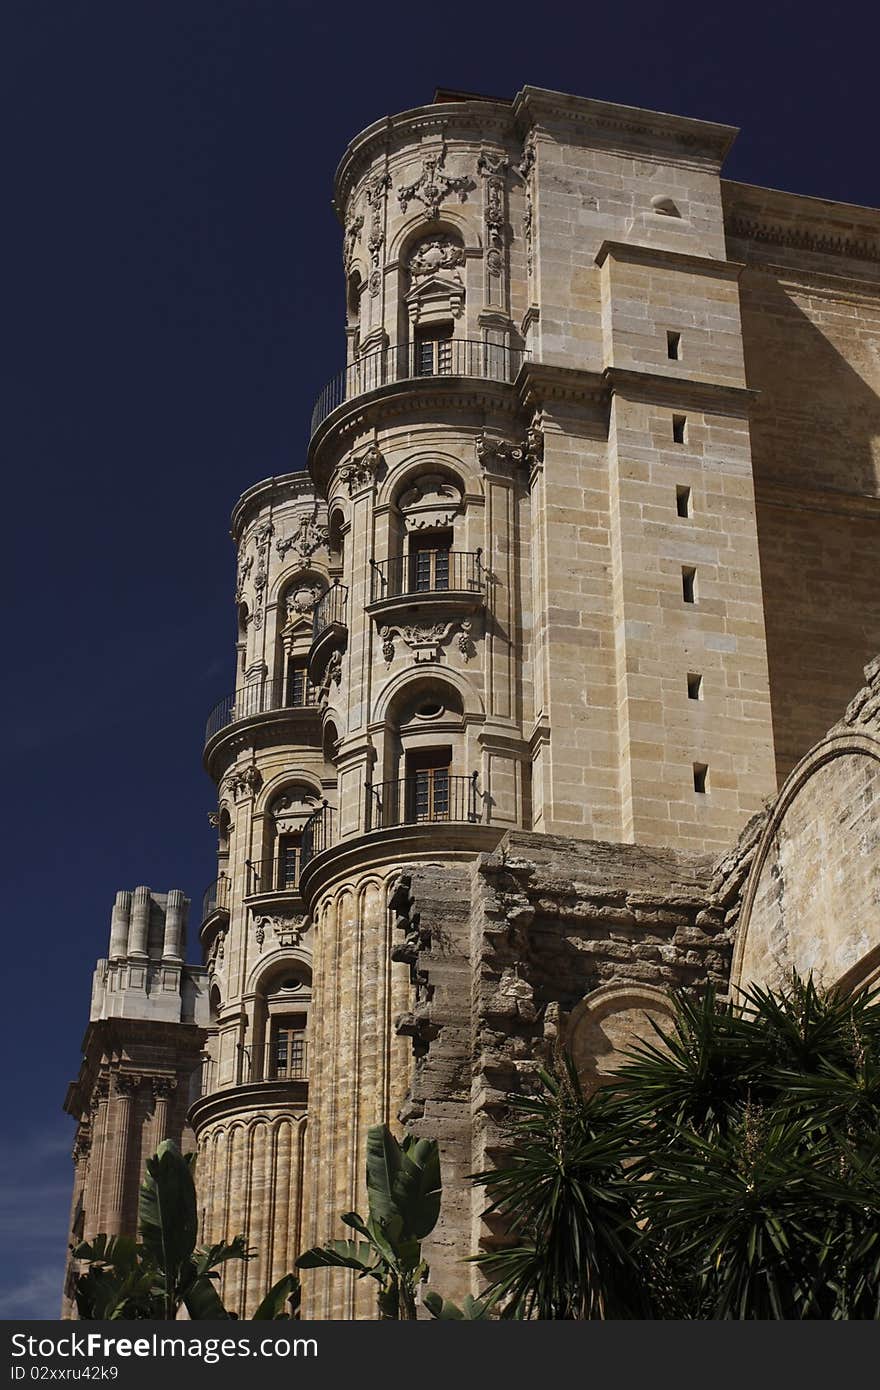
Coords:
pixel 689 583
pixel 701 778
pixel 673 347
pixel 695 685
pixel 683 500
pixel 678 427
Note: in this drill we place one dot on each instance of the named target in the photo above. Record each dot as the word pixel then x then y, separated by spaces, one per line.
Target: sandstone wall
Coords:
pixel 812 903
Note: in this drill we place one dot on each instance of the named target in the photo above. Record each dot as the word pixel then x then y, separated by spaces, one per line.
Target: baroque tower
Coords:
pixel 503 704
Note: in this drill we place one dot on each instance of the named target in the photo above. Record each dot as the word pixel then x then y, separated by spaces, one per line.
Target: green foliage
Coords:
pixel 566 1199
pixel 471 1310
pixel 164 1271
pixel 403 1191
pixel 730 1170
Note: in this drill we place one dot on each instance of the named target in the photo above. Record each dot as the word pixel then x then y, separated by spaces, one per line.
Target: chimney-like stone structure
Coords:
pixel 142 1052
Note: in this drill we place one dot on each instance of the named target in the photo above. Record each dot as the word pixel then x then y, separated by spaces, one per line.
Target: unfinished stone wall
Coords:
pixel 812 902
pixel 547 940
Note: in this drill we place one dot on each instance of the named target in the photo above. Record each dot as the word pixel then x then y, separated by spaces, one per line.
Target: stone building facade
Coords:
pixel 581 566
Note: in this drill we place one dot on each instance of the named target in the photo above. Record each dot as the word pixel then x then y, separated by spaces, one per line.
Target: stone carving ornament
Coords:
pixel 375 195
pixel 362 472
pixel 288 929
pixel 353 225
pixel 432 501
pixel 531 450
pixel 435 254
pixel 302 601
pixel 492 169
pixel 433 186
pixel 306 539
pixel 525 169
pixel 425 640
pixel 245 782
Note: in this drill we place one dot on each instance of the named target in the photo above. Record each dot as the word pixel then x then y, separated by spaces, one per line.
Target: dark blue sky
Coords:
pixel 172 303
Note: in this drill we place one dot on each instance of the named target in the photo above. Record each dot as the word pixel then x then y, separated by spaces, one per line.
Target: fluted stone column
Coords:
pixel 119 1135
pixel 119 925
pixel 94 1186
pixel 172 946
pixel 163 1089
pixel 140 923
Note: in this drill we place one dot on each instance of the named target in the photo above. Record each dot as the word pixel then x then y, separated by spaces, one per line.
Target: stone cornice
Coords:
pixel 639 254
pixel 680 138
pixel 394 846
pixel 286 487
pixel 290 1097
pixel 376 409
pixel 681 391
pixel 801 224
pixel 483 120
pixel 539 381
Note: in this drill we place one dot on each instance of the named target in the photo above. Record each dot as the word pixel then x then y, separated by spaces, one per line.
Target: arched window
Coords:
pixel 289 811
pixel 295 610
pixel 427 510
pixel 426 778
pixel 280 1048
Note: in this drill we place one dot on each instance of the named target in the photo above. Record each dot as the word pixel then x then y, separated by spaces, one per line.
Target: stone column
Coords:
pixel 98 1110
pixel 125 1084
pixel 140 923
pixel 119 924
pixel 172 946
pixel 163 1089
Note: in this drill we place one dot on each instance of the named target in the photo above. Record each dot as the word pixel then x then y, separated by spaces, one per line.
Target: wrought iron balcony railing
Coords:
pixel 423 798
pixel 460 357
pixel 329 611
pixel 279 874
pixel 259 699
pixel 427 572
pixel 319 833
pixel 216 897
pixel 283 1059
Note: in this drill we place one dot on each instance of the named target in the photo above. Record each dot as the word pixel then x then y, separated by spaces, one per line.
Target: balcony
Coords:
pixel 252 700
pixel 454 578
pixel 329 611
pixel 283 1060
pixel 391 365
pixel 216 897
pixel 280 874
pixel 424 799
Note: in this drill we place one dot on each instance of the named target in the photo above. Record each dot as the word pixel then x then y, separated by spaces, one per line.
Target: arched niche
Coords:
pixel 283 1000
pixel 294 626
pixel 425 750
pixel 427 519
pixel 432 265
pixel 812 900
pixel 607 1022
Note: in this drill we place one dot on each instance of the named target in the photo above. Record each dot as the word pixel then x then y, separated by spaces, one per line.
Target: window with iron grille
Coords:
pixel 296 692
pixel 289 855
pixel 433 350
pixel 427 784
pixel 429 561
pixel 287 1056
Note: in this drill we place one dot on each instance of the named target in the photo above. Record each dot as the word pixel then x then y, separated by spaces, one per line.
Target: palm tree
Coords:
pixel 568 1208
pixel 164 1271
pixel 403 1191
pixel 729 1170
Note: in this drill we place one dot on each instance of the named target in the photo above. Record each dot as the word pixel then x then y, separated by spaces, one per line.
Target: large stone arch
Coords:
pixel 607 1022
pixel 812 900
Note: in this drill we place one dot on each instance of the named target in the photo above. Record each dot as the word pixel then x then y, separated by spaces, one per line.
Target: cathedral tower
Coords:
pixel 503 703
